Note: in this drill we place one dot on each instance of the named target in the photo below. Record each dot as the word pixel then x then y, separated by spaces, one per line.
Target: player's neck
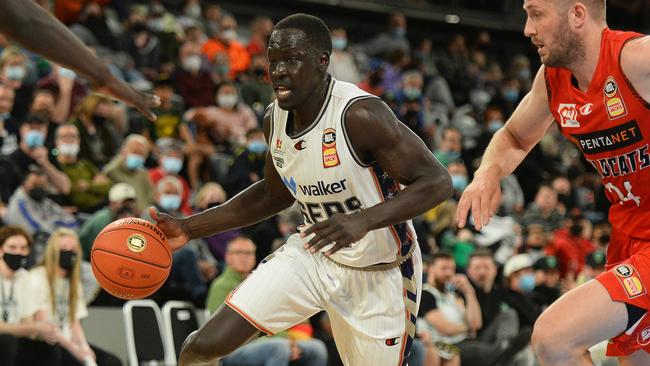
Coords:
pixel 584 69
pixel 306 113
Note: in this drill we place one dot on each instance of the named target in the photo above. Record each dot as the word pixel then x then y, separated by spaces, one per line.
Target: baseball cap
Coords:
pixel 517 263
pixel 596 259
pixel 120 192
pixel 548 263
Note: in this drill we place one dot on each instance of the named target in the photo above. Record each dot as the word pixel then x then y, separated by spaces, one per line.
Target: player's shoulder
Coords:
pixel 344 91
pixel 634 55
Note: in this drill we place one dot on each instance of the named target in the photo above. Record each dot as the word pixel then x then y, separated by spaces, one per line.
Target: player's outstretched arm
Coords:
pixel 33 28
pixel 376 134
pixel 508 148
pixel 254 204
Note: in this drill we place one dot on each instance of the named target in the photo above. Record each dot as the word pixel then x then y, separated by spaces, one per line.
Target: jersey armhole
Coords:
pixel 271 122
pixel 641 100
pixel 356 157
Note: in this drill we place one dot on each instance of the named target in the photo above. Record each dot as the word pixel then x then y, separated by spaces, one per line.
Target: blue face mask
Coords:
pixel 5 116
pixel 170 202
pixel 399 32
pixel 34 138
pixel 256 147
pixel 494 125
pixel 527 282
pixel 15 72
pixel 459 182
pixel 412 93
pixel 339 43
pixel 134 161
pixel 172 165
pixel 511 95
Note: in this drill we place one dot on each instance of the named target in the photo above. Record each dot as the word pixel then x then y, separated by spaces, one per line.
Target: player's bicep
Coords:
pixel 532 117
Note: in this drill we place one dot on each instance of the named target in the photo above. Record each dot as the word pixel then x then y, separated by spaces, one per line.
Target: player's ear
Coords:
pixel 324 61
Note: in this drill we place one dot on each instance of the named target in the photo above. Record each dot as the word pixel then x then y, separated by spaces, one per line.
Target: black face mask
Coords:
pixel 38 194
pixel 98 120
pixel 67 259
pixel 15 261
pixel 259 72
pixel 575 229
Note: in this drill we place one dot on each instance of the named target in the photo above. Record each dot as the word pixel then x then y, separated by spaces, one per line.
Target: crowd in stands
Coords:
pixel 72 161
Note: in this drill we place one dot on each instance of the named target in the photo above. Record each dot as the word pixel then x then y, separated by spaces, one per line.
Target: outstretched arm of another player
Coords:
pixel 33 28
pixel 506 151
pixel 254 204
pixel 375 133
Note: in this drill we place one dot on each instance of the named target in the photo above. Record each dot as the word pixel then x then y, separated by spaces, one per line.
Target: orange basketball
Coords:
pixel 131 258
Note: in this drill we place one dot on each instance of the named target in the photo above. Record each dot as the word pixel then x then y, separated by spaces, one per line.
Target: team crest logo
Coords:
pixel 614 102
pixel 568 115
pixel 330 156
pixel 136 243
pixel 644 337
pixel 610 87
pixel 278 144
pixel 624 270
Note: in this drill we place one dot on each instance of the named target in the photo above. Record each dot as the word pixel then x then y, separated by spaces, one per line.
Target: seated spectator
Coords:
pixel 390 41
pixel 59 300
pixel 211 195
pixel 170 163
pixel 342 65
pixel 193 82
pixel 89 187
pixel 31 152
pixel 30 208
pixel 570 246
pixel 186 281
pixel 58 94
pixel 8 125
pixel 547 279
pixel 411 109
pixel 520 283
pixel 256 90
pixel 544 209
pixel 99 140
pixel 261 30
pixel 230 119
pixel 594 265
pixel 23 341
pixel 240 261
pixel 13 67
pixel 459 177
pixel 121 198
pixel 226 41
pixel 128 167
pixel 248 166
pixel 536 240
pixel 450 147
pixel 144 48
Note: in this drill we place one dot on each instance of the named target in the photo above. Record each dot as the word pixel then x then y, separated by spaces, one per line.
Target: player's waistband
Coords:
pixel 380 266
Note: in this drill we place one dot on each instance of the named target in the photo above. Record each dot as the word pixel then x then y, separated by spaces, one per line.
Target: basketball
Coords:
pixel 131 258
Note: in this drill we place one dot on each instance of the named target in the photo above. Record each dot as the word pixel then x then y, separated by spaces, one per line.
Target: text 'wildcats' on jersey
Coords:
pixel 326 177
pixel 610 123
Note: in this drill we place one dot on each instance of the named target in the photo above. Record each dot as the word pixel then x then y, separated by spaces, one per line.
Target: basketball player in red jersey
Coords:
pixel 33 28
pixel 595 84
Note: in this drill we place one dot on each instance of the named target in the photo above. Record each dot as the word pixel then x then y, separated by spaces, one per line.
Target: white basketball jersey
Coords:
pixel 325 176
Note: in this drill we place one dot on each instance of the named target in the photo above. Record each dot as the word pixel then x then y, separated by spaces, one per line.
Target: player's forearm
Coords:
pixel 251 206
pixel 33 28
pixel 503 154
pixel 417 198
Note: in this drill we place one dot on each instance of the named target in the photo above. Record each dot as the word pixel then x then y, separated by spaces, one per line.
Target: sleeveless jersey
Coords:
pixel 322 171
pixel 610 124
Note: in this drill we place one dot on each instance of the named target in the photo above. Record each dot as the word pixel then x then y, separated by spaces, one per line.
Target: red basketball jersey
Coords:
pixel 610 124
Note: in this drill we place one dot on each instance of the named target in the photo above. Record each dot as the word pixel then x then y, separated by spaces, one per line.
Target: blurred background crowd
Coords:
pixel 72 161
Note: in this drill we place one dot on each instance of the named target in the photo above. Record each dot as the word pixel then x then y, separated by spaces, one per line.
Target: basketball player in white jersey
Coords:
pixel 32 27
pixel 359 175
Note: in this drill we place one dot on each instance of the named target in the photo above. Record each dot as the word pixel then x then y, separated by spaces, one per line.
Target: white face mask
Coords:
pixel 229 34
pixel 227 100
pixel 69 149
pixel 15 72
pixel 192 63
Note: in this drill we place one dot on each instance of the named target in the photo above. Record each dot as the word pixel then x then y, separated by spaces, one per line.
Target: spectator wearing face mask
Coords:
pixel 411 107
pixel 230 119
pixel 342 65
pixel 571 247
pixel 121 204
pixel 99 140
pixel 257 91
pixel 226 41
pixel 520 283
pixel 248 166
pixel 13 69
pixel 31 152
pixel 459 179
pixel 66 91
pixel 128 167
pixel 89 186
pixel 30 208
pixel 261 29
pixel 170 163
pixel 450 146
pixel 392 40
pixel 8 125
pixel 192 80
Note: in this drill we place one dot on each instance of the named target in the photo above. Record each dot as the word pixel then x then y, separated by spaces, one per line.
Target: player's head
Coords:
pixel 299 54
pixel 558 28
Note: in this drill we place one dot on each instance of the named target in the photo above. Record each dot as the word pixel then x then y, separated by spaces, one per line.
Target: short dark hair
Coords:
pixel 9 231
pixel 316 31
pixel 441 255
pixel 481 253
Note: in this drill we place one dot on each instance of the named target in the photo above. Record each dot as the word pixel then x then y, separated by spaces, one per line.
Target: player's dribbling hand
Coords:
pixel 341 230
pixel 119 89
pixel 171 227
pixel 482 196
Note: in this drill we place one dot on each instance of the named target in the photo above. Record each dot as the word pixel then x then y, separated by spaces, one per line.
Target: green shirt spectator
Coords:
pixel 240 261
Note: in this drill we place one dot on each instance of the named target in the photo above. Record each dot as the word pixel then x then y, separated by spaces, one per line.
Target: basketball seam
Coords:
pixel 126 256
pixel 158 284
pixel 168 252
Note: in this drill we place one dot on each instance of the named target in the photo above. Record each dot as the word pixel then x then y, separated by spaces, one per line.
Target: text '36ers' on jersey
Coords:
pixel 610 123
pixel 325 176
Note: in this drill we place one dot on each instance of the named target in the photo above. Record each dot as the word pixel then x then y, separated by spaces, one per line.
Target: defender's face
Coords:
pixel 296 67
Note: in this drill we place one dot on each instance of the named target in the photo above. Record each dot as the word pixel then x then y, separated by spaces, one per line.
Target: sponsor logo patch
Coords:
pixel 644 337
pixel 568 115
pixel 610 139
pixel 330 156
pixel 392 341
pixel 136 243
pixel 300 145
pixel 586 109
pixel 633 286
pixel 624 270
pixel 614 102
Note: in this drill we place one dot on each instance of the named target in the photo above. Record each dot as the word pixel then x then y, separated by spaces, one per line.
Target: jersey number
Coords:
pixel 624 198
